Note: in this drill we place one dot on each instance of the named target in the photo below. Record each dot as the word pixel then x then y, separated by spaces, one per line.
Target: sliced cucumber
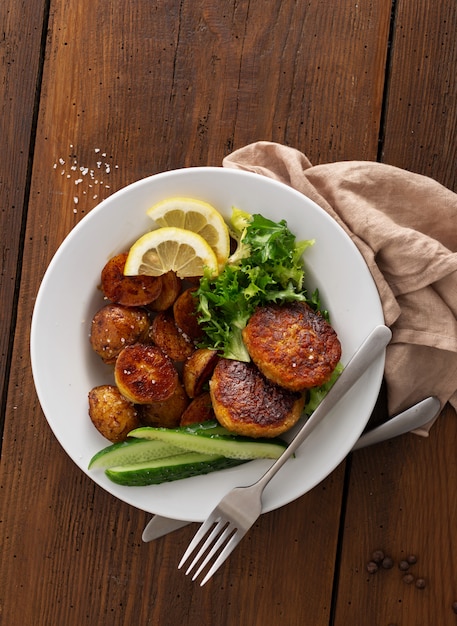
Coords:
pixel 213 441
pixel 169 469
pixel 132 451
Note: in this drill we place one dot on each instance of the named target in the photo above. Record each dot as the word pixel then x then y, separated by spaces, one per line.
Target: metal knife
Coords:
pixel 414 417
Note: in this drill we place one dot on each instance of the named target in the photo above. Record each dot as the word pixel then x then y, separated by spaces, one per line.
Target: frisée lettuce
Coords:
pixel 266 267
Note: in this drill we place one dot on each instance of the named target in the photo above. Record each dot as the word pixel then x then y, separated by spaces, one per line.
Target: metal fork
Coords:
pixel 235 514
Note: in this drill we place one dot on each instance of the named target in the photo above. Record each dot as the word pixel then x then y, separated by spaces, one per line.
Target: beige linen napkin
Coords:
pixel 405 226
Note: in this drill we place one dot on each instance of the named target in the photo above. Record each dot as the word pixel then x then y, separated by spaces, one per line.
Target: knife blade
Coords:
pixel 414 417
pixel 159 526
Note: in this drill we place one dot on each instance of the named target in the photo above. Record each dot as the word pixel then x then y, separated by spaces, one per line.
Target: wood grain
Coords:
pixel 131 89
pixel 20 53
pixel 402 500
pixel 421 120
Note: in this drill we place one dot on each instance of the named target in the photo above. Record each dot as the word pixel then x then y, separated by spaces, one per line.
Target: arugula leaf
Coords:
pixel 266 267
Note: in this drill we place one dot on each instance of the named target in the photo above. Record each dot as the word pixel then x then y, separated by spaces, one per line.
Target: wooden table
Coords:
pixel 148 86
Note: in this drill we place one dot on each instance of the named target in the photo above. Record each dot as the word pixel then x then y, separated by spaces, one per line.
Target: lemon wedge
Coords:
pixel 170 248
pixel 198 217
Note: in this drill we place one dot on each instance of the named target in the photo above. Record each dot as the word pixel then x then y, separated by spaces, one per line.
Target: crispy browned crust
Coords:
pixel 292 345
pixel 246 403
pixel 166 334
pixel 171 288
pixel 128 290
pixel 115 326
pixel 165 414
pixel 199 410
pixel 112 415
pixel 198 369
pixel 145 374
pixel 185 314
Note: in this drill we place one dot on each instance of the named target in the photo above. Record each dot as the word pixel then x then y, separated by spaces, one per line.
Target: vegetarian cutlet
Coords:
pixel 292 345
pixel 246 403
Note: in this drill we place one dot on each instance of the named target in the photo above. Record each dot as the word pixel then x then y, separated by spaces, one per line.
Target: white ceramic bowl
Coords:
pixel 65 368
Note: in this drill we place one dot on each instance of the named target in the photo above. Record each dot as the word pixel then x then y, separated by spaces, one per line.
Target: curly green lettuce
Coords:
pixel 266 267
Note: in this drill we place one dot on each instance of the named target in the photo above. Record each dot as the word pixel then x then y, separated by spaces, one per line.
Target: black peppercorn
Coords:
pixel 378 556
pixel 454 607
pixel 408 579
pixel 412 559
pixel 404 566
pixel 372 567
pixel 387 562
pixel 420 583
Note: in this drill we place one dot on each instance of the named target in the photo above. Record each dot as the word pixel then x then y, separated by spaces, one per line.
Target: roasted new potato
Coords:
pixel 115 326
pixel 145 374
pixel 128 290
pixel 111 414
pixel 198 369
pixel 171 288
pixel 199 410
pixel 292 345
pixel 165 333
pixel 247 403
pixel 167 413
pixel 185 314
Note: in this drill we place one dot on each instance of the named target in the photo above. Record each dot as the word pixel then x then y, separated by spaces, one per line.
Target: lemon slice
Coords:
pixel 197 216
pixel 170 248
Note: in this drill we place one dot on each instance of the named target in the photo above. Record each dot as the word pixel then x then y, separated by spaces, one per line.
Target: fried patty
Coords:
pixel 292 345
pixel 246 403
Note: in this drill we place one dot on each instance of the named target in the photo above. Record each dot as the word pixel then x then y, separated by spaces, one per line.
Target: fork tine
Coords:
pixel 225 534
pixel 219 526
pixel 199 535
pixel 231 545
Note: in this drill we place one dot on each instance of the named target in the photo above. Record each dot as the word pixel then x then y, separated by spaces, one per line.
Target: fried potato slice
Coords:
pixel 185 314
pixel 166 414
pixel 116 326
pixel 198 370
pixel 199 410
pixel 166 334
pixel 128 290
pixel 145 374
pixel 247 403
pixel 292 345
pixel 111 414
pixel 171 288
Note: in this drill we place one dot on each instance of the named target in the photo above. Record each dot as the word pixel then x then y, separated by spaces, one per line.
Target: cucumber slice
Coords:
pixel 210 441
pixel 169 469
pixel 132 451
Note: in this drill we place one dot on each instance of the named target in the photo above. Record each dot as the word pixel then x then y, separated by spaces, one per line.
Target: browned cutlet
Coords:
pixel 246 403
pixel 292 345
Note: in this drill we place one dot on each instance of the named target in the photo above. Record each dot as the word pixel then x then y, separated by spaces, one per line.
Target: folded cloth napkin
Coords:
pixel 405 226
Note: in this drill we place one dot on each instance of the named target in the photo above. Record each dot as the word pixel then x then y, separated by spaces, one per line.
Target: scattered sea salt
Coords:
pixel 81 171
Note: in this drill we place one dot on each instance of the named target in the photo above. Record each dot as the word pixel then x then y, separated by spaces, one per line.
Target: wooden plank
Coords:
pixel 402 501
pixel 421 118
pixel 20 45
pixel 402 494
pixel 136 89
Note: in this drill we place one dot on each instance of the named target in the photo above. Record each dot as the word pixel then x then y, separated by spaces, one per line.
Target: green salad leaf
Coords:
pixel 266 267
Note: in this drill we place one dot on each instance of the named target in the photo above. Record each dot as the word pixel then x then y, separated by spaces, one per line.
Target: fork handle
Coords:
pixel 373 345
